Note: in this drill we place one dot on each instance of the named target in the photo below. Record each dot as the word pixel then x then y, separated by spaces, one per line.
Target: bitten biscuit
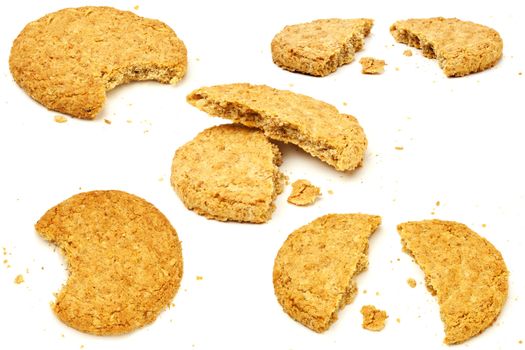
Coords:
pixel 124 261
pixel 315 126
pixel 460 47
pixel 303 193
pixel 318 48
pixel 464 270
pixel 313 274
pixel 229 172
pixel 67 60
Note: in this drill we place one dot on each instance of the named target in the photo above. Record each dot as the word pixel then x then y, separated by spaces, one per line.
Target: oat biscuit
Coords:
pixel 303 193
pixel 124 261
pixel 318 48
pixel 313 274
pixel 315 126
pixel 464 270
pixel 229 173
pixel 68 59
pixel 460 47
pixel 370 65
pixel 373 318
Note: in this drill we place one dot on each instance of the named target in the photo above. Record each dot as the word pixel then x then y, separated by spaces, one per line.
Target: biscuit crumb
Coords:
pixel 365 291
pixel 483 225
pixel 136 7
pixel 107 121
pixel 407 53
pixel 520 341
pixel 373 318
pixel 330 192
pixel 411 282
pixel 199 278
pixel 438 203
pixel 377 294
pixel 399 148
pixel 19 279
pixel 397 69
pixel 520 73
pixel 129 121
pixel 303 193
pixel 161 178
pixel 398 320
pixel 370 65
pixel 60 119
pixel 345 104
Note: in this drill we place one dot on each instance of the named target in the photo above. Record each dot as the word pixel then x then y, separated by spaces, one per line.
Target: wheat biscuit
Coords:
pixel 229 173
pixel 319 47
pixel 303 193
pixel 464 270
pixel 124 261
pixel 68 59
pixel 315 126
pixel 313 274
pixel 461 47
pixel 373 318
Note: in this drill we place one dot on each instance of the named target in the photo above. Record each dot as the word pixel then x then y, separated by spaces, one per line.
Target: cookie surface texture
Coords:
pixel 465 272
pixel 229 173
pixel 315 126
pixel 68 59
pixel 461 47
pixel 319 47
pixel 314 271
pixel 124 261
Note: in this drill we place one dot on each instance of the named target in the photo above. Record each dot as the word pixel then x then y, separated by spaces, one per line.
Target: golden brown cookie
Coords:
pixel 313 274
pixel 303 193
pixel 464 270
pixel 315 126
pixel 373 318
pixel 68 59
pixel 229 172
pixel 370 65
pixel 319 47
pixel 124 261
pixel 460 47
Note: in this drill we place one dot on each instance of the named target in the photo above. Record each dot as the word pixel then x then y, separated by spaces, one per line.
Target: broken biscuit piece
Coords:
pixel 370 65
pixel 315 269
pixel 303 193
pixel 319 47
pixel 315 126
pixel 461 47
pixel 373 318
pixel 465 271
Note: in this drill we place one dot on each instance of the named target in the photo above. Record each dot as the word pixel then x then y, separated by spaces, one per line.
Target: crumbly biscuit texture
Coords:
pixel 319 47
pixel 315 126
pixel 465 272
pixel 461 47
pixel 370 65
pixel 314 271
pixel 303 193
pixel 229 173
pixel 373 318
pixel 68 59
pixel 124 261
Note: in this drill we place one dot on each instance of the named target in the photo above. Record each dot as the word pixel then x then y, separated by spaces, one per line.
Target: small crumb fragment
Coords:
pixel 136 7
pixel 373 318
pixel 438 203
pixel 483 225
pixel 60 119
pixel 19 279
pixel 365 291
pixel 197 59
pixel 161 179
pixel 370 65
pixel 399 148
pixel 129 121
pixel 303 193
pixel 377 294
pixel 407 53
pixel 397 69
pixel 520 341
pixel 398 320
pixel 330 192
pixel 345 104
pixel 520 73
pixel 411 282
pixel 290 85
pixel 199 278
pixel 107 121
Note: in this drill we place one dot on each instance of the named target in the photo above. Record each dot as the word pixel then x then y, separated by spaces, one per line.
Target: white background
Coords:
pixel 463 146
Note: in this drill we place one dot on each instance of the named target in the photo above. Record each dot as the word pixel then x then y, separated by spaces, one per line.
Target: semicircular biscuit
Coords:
pixel 124 261
pixel 464 270
pixel 229 173
pixel 461 47
pixel 68 59
pixel 313 274
pixel 319 47
pixel 315 126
